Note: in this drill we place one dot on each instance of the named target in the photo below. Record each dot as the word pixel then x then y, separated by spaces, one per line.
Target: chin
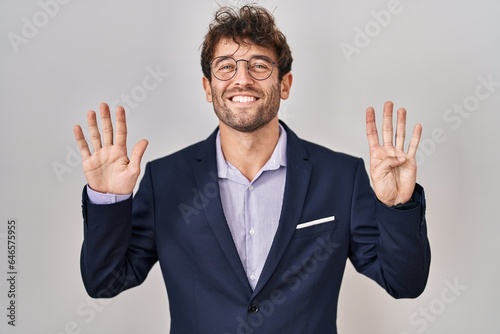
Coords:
pixel 242 126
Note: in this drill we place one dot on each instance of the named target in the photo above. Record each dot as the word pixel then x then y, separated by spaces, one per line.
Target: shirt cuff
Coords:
pixel 98 198
pixel 406 206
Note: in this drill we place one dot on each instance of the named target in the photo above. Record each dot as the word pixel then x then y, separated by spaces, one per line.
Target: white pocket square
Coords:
pixel 316 222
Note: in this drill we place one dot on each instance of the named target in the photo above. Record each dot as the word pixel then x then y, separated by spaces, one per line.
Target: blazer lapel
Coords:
pixel 298 172
pixel 205 172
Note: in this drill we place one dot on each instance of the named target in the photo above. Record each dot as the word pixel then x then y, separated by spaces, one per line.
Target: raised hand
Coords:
pixel 393 172
pixel 108 169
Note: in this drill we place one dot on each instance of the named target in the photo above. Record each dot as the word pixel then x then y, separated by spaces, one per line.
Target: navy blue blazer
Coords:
pixel 176 218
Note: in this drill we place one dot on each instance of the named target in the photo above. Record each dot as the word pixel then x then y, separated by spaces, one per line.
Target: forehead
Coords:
pixel 227 47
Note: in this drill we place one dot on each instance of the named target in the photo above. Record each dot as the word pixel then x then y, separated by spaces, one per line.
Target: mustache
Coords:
pixel 248 90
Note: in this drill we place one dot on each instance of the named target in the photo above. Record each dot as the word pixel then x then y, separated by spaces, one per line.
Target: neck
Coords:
pixel 249 151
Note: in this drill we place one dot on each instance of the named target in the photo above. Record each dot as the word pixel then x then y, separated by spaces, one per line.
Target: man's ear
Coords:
pixel 208 89
pixel 286 85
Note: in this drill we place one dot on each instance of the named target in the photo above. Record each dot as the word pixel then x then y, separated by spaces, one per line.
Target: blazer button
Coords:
pixel 254 308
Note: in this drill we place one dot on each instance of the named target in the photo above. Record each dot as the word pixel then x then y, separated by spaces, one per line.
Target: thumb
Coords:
pixel 391 162
pixel 136 155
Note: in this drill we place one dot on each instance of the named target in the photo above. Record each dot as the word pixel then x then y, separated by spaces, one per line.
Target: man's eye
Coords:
pixel 259 67
pixel 226 68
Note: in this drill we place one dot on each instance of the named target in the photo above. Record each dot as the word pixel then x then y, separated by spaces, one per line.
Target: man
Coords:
pixel 252 227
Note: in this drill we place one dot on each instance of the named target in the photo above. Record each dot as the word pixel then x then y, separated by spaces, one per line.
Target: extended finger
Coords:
pixel 387 124
pixel 121 127
pixel 371 128
pixel 81 142
pixel 107 126
pixel 401 129
pixel 95 136
pixel 415 140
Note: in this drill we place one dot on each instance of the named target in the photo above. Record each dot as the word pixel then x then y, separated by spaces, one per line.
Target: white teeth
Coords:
pixel 243 99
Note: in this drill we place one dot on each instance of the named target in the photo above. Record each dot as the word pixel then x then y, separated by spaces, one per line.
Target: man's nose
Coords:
pixel 242 75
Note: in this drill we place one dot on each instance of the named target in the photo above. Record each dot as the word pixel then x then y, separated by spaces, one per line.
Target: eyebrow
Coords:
pixel 254 56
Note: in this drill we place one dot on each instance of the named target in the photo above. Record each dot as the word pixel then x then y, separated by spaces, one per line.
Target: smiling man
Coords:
pixel 253 226
pixel 246 102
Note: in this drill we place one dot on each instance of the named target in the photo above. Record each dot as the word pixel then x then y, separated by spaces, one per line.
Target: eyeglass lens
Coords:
pixel 224 68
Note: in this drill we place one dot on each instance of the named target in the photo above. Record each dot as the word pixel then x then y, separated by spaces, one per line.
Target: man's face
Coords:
pixel 244 103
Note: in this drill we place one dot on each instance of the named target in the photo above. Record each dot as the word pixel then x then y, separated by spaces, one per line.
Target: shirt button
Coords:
pixel 250 188
pixel 252 231
pixel 254 308
pixel 253 277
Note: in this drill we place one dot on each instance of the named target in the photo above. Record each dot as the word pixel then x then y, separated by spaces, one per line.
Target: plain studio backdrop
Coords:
pixel 440 60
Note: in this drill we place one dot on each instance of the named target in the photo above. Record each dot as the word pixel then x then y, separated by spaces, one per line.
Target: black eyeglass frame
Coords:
pixel 273 65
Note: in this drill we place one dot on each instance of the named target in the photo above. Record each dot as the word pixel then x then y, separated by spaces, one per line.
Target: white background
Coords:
pixel 428 56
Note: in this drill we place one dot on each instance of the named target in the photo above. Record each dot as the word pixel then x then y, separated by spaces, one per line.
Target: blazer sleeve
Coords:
pixel 388 244
pixel 119 249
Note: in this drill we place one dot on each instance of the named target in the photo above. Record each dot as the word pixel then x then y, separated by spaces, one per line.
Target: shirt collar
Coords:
pixel 277 159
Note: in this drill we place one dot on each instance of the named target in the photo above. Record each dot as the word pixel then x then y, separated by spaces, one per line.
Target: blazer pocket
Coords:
pixel 315 226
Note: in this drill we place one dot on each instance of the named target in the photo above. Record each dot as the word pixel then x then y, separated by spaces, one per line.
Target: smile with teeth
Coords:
pixel 243 99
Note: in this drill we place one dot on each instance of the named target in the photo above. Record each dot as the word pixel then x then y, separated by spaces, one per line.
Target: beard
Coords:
pixel 247 119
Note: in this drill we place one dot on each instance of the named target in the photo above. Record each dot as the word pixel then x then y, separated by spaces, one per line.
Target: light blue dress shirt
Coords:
pixel 253 208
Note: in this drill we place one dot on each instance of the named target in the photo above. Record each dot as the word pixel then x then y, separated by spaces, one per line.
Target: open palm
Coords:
pixel 108 169
pixel 393 172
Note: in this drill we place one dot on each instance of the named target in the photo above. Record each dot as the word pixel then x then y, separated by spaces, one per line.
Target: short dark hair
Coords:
pixel 247 25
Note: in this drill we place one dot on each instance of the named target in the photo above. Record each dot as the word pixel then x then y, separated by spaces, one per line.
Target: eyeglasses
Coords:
pixel 259 67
